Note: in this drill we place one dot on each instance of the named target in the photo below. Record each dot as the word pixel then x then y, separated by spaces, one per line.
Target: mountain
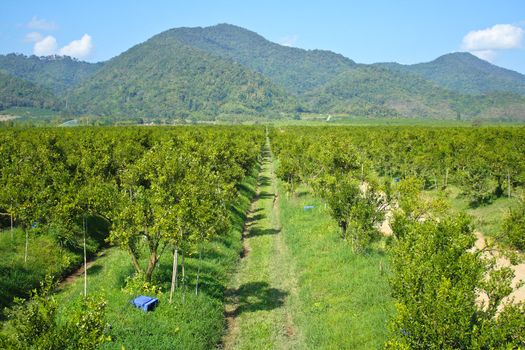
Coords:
pixel 376 91
pixel 296 70
pixel 17 92
pixel 369 90
pixel 208 72
pixel 164 77
pixel 57 73
pixel 465 73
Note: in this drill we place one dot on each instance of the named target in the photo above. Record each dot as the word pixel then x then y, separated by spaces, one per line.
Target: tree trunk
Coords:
pixel 343 229
pixel 174 272
pixel 134 260
pixel 11 215
pixel 27 246
pixel 152 262
pixel 85 259
pixel 446 178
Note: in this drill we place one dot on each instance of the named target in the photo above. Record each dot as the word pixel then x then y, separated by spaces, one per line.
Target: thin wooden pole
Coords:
pixel 85 259
pixel 174 272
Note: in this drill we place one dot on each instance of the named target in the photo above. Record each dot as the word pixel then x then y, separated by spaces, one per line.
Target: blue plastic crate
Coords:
pixel 145 303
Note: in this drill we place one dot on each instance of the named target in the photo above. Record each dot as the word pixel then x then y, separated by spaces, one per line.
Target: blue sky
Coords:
pixel 365 31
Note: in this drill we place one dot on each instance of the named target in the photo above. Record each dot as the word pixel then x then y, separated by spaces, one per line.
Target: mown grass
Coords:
pixel 344 297
pixel 191 321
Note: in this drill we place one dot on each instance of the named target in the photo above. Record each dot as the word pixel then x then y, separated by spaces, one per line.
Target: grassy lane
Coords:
pixel 192 321
pixel 262 299
pixel 345 297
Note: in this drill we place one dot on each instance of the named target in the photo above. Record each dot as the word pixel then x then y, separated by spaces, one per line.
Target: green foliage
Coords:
pixel 164 77
pixel 34 324
pixel 296 70
pixel 55 73
pixel 356 212
pixel 435 280
pixel 17 92
pixel 465 73
pixel 514 227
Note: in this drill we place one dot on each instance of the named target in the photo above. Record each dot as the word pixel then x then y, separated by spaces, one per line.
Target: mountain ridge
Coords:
pixel 205 72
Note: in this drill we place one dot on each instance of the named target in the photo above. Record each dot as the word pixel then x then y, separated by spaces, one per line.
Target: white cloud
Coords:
pixel 497 37
pixel 46 46
pixel 81 48
pixel 41 24
pixel 33 37
pixel 487 55
pixel 289 40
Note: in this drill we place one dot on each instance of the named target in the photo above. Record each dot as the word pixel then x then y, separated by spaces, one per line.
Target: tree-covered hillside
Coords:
pixel 21 93
pixel 374 91
pixel 57 73
pixel 465 73
pixel 297 70
pixel 165 78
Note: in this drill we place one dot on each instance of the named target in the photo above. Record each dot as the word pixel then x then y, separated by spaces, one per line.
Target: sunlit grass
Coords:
pixel 345 297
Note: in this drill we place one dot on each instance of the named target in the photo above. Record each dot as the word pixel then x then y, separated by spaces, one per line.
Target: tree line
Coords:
pixel 448 295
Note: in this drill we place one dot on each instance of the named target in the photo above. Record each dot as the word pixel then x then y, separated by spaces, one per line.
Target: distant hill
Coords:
pixel 224 70
pixel 465 73
pixel 296 70
pixel 17 92
pixel 163 77
pixel 57 73
pixel 368 90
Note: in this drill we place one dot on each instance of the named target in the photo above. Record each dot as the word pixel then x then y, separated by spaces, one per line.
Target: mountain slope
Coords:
pixel 17 92
pixel 369 90
pixel 165 78
pixel 57 73
pixel 465 73
pixel 374 91
pixel 297 70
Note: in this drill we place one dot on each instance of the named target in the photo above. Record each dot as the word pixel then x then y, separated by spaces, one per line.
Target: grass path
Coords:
pixel 262 298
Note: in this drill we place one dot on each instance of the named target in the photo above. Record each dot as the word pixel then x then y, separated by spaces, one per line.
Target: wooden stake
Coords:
pixel 85 259
pixel 174 272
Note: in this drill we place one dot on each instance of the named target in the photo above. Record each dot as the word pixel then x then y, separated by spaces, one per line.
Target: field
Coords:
pixel 262 237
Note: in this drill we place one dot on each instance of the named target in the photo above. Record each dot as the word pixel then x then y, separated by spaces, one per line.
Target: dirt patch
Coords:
pixel 501 261
pixel 68 280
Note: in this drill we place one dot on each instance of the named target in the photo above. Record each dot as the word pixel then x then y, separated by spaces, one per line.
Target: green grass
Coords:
pixel 261 300
pixel 345 297
pixel 45 257
pixel 17 277
pixel 191 321
pixel 487 218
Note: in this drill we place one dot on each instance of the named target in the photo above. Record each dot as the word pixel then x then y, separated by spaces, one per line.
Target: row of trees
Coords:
pixel 448 294
pixel 158 189
pixel 483 162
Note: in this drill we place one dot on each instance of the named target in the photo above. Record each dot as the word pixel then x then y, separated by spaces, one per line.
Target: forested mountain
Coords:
pixel 17 92
pixel 465 73
pixel 57 73
pixel 369 90
pixel 163 77
pixel 224 69
pixel 297 70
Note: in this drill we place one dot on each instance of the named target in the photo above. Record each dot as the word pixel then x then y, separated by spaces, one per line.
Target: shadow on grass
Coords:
pixel 265 195
pixel 258 217
pixel 265 181
pixel 94 270
pixel 255 232
pixel 255 296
